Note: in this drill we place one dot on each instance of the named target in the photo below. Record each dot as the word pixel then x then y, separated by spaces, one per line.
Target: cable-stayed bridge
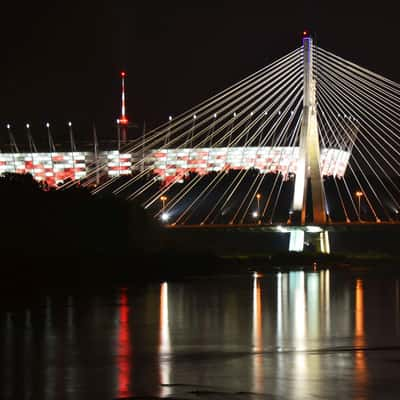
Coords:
pixel 309 141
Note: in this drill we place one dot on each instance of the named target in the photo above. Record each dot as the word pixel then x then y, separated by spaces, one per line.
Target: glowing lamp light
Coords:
pixel 123 121
pixel 123 74
pixel 313 229
pixel 255 214
pixel 47 125
pixel 27 126
pixel 69 123
pixel 281 229
pixel 170 118
pixel 8 126
pixel 165 217
pixel 305 33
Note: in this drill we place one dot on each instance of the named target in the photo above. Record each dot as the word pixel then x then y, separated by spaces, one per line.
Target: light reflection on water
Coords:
pixel 290 334
pixel 125 385
pixel 164 345
pixel 360 362
pixel 258 375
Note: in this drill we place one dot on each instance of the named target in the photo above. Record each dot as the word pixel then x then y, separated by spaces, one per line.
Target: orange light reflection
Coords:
pixel 257 336
pixel 359 338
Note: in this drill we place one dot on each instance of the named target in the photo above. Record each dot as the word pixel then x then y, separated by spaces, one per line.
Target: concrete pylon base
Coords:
pixel 313 239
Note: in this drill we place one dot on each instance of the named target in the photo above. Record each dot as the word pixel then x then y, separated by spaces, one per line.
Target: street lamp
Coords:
pixel 359 194
pixel 258 197
pixel 163 199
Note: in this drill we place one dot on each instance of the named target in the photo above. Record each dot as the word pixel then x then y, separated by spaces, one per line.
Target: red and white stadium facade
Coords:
pixel 174 164
pixel 169 164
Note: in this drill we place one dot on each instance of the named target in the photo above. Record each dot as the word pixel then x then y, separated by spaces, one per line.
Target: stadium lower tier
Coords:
pixel 168 164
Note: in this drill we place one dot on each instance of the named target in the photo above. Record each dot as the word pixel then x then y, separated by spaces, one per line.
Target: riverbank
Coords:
pixel 27 278
pixel 104 269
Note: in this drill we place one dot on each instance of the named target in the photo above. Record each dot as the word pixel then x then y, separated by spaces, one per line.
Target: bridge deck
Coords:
pixel 285 228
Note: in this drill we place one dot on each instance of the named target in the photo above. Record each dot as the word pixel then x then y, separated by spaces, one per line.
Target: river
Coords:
pixel 297 334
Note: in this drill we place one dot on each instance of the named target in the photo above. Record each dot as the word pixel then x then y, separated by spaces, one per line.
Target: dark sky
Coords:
pixel 61 59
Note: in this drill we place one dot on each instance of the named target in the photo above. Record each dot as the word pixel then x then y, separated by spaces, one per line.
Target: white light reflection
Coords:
pixel 279 330
pixel 257 336
pixel 300 311
pixel 165 343
pixel 298 324
pixel 313 305
pixel 279 326
pixel 327 291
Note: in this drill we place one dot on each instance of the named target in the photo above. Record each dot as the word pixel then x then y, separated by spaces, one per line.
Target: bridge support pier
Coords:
pixel 310 238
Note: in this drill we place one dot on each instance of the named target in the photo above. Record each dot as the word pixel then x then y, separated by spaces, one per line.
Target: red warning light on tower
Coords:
pixel 123 120
pixel 305 33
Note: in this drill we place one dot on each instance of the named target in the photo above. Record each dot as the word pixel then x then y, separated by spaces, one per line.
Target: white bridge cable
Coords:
pixel 260 117
pixel 377 165
pixel 242 177
pixel 378 79
pixel 155 197
pixel 332 102
pixel 292 113
pixel 209 105
pixel 261 178
pixel 367 100
pixel 331 117
pixel 334 178
pixel 243 121
pixel 366 110
pixel 384 95
pixel 346 103
pixel 296 135
pixel 378 178
pixel 324 123
pixel 260 87
pixel 164 129
pixel 241 135
pixel 369 137
pixel 272 86
pixel 157 135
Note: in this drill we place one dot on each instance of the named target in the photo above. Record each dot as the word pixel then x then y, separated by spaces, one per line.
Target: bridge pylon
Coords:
pixel 308 175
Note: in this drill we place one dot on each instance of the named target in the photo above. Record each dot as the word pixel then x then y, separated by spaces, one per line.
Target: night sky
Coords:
pixel 61 60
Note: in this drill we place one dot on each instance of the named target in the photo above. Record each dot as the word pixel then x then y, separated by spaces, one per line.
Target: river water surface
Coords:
pixel 283 335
